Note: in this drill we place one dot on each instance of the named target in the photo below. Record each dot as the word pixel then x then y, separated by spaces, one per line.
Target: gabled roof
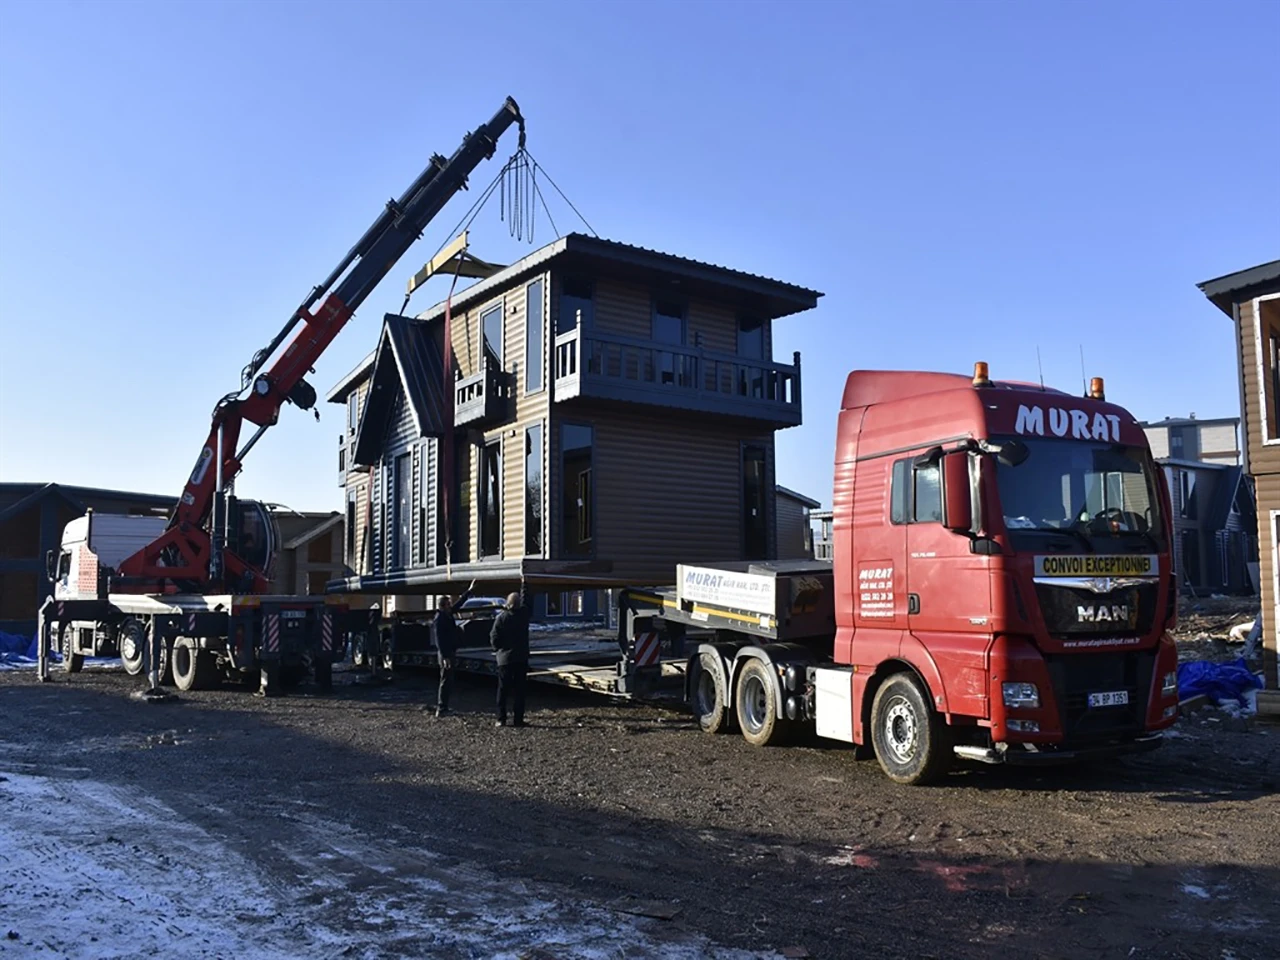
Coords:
pixel 325 522
pixel 78 498
pixel 410 357
pixel 771 298
pixel 1224 496
pixel 1222 289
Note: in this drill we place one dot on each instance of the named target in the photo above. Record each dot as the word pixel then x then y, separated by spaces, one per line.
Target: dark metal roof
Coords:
pixel 1220 289
pixel 78 498
pixel 774 298
pixel 800 497
pixel 342 389
pixel 1187 421
pixel 410 356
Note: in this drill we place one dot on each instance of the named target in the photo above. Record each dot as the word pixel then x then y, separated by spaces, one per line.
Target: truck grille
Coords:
pixel 1075 676
pixel 1126 612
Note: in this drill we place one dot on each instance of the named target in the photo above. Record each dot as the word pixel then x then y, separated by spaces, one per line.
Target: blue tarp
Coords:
pixel 17 649
pixel 1218 681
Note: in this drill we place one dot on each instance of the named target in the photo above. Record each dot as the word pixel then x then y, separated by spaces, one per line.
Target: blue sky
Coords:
pixel 963 181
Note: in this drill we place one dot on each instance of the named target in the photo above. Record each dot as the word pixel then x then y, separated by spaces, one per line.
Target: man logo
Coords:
pixel 1103 613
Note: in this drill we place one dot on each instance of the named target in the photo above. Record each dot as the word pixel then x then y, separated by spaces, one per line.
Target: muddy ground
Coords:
pixel 628 807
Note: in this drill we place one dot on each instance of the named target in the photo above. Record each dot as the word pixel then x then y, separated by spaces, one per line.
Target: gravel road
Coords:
pixel 373 829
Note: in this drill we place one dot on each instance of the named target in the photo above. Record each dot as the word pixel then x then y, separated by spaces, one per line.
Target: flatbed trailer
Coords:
pixel 197 640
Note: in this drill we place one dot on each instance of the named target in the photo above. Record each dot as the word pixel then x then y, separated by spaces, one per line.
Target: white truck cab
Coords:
pixel 94 544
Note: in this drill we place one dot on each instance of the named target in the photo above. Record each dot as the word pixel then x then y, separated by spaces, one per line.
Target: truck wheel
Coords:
pixel 132 641
pixel 912 742
pixel 757 703
pixel 71 662
pixel 710 698
pixel 193 668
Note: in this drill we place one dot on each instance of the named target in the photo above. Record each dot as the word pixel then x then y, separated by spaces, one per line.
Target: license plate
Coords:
pixel 1117 698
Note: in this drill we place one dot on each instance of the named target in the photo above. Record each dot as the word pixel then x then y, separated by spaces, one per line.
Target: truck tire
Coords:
pixel 757 705
pixel 132 643
pixel 912 742
pixel 193 668
pixel 710 695
pixel 71 662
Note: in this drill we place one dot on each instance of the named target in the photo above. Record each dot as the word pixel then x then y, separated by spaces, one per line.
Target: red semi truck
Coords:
pixel 1001 588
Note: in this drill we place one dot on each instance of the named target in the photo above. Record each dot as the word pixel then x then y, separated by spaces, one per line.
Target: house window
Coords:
pixel 1266 312
pixel 755 527
pixel 1187 489
pixel 751 339
pixel 916 496
pixel 460 550
pixel 533 491
pixel 402 551
pixel 668 321
pixel 571 603
pixel 491 325
pixel 577 306
pixel 577 508
pixel 353 412
pixel 554 604
pixel 351 530
pixel 491 501
pixel 533 336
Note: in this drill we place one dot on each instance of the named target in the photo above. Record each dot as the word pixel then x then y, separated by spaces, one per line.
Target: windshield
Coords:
pixel 1101 495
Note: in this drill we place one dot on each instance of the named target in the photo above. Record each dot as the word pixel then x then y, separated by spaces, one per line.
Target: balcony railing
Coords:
pixel 485 397
pixel 606 366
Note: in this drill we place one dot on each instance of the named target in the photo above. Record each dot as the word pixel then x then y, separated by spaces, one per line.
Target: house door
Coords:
pixel 404 511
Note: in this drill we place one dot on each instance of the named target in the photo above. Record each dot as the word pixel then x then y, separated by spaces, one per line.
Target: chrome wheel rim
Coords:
pixel 901 730
pixel 754 703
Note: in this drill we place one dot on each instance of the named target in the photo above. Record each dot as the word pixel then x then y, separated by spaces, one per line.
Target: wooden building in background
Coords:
pixel 1251 298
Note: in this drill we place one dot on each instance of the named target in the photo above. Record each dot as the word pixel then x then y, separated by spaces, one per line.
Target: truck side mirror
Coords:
pixel 957 506
pixel 51 565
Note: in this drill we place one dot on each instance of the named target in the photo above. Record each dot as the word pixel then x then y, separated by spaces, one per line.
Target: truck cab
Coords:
pixel 1003 575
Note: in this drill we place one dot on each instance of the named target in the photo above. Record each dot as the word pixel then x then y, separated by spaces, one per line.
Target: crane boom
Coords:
pixel 189 553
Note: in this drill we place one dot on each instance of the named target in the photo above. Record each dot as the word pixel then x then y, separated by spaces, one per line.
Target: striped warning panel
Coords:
pixel 326 630
pixel 272 644
pixel 646 648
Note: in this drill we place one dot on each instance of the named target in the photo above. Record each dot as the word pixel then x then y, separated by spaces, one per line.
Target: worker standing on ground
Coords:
pixel 510 641
pixel 448 638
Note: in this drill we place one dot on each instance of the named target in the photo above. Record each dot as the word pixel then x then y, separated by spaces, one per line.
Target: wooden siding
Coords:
pixel 792 524
pixel 1268 492
pixel 666 492
pixel 1217 440
pixel 1158 439
pixel 1263 458
pixel 626 308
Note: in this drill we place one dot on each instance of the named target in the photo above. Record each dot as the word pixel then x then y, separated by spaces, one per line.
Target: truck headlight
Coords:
pixel 1170 686
pixel 1020 695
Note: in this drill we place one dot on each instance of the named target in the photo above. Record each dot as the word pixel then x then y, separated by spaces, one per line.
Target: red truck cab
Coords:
pixel 1003 576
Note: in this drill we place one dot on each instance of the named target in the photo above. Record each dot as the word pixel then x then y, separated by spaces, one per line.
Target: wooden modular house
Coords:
pixel 610 412
pixel 1251 298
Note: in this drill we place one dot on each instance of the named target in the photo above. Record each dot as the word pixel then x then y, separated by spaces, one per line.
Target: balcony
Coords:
pixel 609 367
pixel 485 398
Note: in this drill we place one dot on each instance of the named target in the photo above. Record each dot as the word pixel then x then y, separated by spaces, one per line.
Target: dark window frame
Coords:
pixel 564 323
pixel 535 341
pixel 744 534
pixel 677 302
pixel 353 413
pixel 500 354
pixel 481 553
pixel 587 509
pixel 766 340
pixel 541 545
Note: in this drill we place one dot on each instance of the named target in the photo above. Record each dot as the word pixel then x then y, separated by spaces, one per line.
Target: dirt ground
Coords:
pixel 612 809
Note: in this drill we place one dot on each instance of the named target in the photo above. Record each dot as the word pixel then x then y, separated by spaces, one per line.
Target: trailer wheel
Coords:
pixel 193 668
pixel 71 662
pixel 757 703
pixel 912 741
pixel 710 696
pixel 132 642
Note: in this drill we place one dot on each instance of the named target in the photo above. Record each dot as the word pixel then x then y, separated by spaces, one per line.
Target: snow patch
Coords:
pixel 89 871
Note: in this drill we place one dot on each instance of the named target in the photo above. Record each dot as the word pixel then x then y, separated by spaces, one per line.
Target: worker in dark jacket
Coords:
pixel 448 638
pixel 510 641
